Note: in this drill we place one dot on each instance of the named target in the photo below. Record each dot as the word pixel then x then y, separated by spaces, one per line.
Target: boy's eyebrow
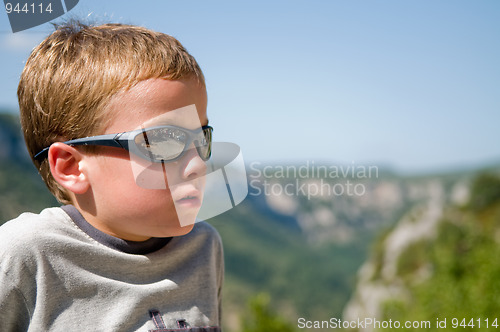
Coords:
pixel 173 123
pixel 168 122
pixel 185 117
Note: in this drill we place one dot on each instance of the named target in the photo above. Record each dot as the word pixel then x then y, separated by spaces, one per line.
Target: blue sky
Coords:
pixel 411 85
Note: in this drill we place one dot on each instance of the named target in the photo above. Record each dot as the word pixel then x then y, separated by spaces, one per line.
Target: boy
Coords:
pixel 114 117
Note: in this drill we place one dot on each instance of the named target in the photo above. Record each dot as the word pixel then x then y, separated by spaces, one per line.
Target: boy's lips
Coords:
pixel 192 197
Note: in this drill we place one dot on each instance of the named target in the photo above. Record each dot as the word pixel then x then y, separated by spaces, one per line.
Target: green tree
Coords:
pixel 485 191
pixel 261 318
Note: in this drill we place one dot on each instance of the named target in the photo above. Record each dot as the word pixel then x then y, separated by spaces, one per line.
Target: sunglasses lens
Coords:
pixel 204 145
pixel 161 144
pixel 165 144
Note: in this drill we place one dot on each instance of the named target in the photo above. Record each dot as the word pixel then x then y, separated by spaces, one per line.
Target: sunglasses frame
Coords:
pixel 126 140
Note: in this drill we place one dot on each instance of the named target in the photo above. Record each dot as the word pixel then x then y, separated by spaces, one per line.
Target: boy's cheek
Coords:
pixel 162 176
pixel 150 177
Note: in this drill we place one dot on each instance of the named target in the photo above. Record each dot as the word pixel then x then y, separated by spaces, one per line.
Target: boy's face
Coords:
pixel 115 203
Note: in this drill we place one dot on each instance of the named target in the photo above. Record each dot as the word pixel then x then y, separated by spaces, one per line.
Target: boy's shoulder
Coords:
pixel 28 238
pixel 203 237
pixel 203 227
pixel 32 235
pixel 29 228
pixel 28 223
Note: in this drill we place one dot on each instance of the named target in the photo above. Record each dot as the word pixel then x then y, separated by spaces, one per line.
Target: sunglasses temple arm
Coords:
pixel 104 140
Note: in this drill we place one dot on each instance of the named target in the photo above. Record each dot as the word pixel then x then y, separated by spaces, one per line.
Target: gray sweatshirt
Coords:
pixel 58 273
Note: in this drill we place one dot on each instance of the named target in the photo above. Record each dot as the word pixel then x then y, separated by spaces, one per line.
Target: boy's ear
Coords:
pixel 65 162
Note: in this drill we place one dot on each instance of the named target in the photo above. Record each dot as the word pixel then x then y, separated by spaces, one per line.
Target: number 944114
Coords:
pixel 28 8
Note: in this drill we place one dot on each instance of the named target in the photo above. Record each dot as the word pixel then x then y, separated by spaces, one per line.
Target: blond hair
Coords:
pixel 72 75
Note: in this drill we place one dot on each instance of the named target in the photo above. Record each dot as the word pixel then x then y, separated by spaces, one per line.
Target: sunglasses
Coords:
pixel 155 144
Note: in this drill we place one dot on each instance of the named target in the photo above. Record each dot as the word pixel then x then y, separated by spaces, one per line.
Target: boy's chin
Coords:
pixel 183 230
pixel 186 216
pixel 179 225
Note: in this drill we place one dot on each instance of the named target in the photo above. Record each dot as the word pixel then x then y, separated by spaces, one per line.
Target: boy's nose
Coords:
pixel 193 165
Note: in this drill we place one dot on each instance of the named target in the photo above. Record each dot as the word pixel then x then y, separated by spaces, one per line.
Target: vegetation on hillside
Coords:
pixel 459 270
pixel 263 256
pixel 21 190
